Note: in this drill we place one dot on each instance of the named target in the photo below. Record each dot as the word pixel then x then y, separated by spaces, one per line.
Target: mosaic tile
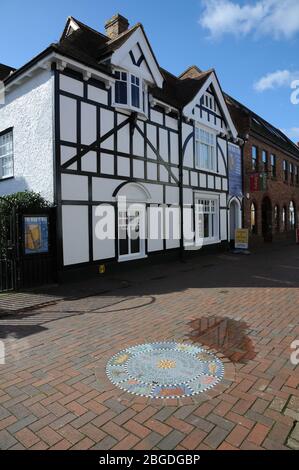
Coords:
pixel 165 370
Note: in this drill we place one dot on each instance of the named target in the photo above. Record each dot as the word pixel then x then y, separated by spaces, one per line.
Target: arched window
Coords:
pixel 292 215
pixel 284 218
pixel 253 218
pixel 276 218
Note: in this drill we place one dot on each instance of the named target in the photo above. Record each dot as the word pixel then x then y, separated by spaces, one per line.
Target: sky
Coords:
pixel 252 44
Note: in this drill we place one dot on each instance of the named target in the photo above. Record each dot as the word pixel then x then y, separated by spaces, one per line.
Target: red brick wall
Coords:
pixel 279 192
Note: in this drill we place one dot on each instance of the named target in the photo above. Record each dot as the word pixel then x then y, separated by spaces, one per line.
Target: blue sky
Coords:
pixel 252 44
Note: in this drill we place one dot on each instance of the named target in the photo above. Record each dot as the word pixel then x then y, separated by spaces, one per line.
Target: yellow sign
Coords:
pixel 102 269
pixel 241 238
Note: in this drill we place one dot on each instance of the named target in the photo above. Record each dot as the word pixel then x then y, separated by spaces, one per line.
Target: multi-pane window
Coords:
pixel 206 211
pixel 254 163
pixel 291 167
pixel 296 174
pixel 130 243
pixel 285 170
pixel 205 150
pixel 273 165
pixel 208 101
pixel 135 91
pixel 144 95
pixel 253 218
pixel 130 91
pixel 6 154
pixel 265 160
pixel 121 88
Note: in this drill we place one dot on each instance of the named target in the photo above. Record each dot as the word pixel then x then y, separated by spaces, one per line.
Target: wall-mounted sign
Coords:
pixel 102 269
pixel 235 170
pixel 36 235
pixel 241 238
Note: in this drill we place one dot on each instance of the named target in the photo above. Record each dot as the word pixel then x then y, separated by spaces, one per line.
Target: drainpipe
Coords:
pixel 181 196
pixel 243 179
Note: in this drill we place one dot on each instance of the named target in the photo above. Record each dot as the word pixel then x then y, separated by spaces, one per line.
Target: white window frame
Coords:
pixel 199 142
pixel 123 81
pixel 10 155
pixel 208 99
pixel 212 199
pixel 142 88
pixel 130 208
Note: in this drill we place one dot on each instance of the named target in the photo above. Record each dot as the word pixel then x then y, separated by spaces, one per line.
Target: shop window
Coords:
pixel 207 217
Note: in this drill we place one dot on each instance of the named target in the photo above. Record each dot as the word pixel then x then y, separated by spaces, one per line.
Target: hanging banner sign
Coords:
pixel 263 182
pixel 241 238
pixel 254 182
pixel 235 170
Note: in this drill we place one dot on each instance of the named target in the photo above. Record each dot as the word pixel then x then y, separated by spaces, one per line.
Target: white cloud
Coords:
pixel 276 18
pixel 278 79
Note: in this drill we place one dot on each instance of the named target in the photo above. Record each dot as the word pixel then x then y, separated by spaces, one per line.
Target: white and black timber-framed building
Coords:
pixel 94 117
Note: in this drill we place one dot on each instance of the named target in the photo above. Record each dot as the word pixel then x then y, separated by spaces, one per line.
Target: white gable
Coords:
pixel 136 56
pixel 221 107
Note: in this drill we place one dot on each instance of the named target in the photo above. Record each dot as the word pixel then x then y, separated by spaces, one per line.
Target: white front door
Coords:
pixel 131 232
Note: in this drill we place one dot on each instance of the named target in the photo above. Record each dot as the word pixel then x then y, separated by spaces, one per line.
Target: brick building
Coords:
pixel 271 177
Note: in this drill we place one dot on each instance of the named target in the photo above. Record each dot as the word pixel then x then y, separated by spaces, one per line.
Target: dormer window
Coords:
pixel 121 88
pixel 130 91
pixel 135 91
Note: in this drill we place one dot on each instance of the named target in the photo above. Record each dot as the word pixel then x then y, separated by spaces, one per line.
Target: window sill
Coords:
pixel 5 178
pixel 207 241
pixel 124 258
pixel 129 109
pixel 206 170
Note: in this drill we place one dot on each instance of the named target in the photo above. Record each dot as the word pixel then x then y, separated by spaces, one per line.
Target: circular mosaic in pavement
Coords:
pixel 165 370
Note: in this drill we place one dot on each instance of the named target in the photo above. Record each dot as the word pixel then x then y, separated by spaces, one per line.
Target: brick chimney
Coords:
pixel 116 25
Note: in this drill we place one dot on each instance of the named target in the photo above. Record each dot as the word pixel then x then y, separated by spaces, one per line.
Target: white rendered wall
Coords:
pixel 28 109
pixel 75 234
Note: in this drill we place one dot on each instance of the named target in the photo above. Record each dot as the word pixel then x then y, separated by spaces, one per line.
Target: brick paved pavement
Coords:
pixel 54 393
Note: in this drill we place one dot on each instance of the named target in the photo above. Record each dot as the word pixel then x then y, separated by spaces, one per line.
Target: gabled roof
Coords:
pixel 5 71
pixel 191 83
pixel 247 120
pixel 83 43
pixel 178 91
pixel 90 47
pixel 94 47
pixel 112 45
